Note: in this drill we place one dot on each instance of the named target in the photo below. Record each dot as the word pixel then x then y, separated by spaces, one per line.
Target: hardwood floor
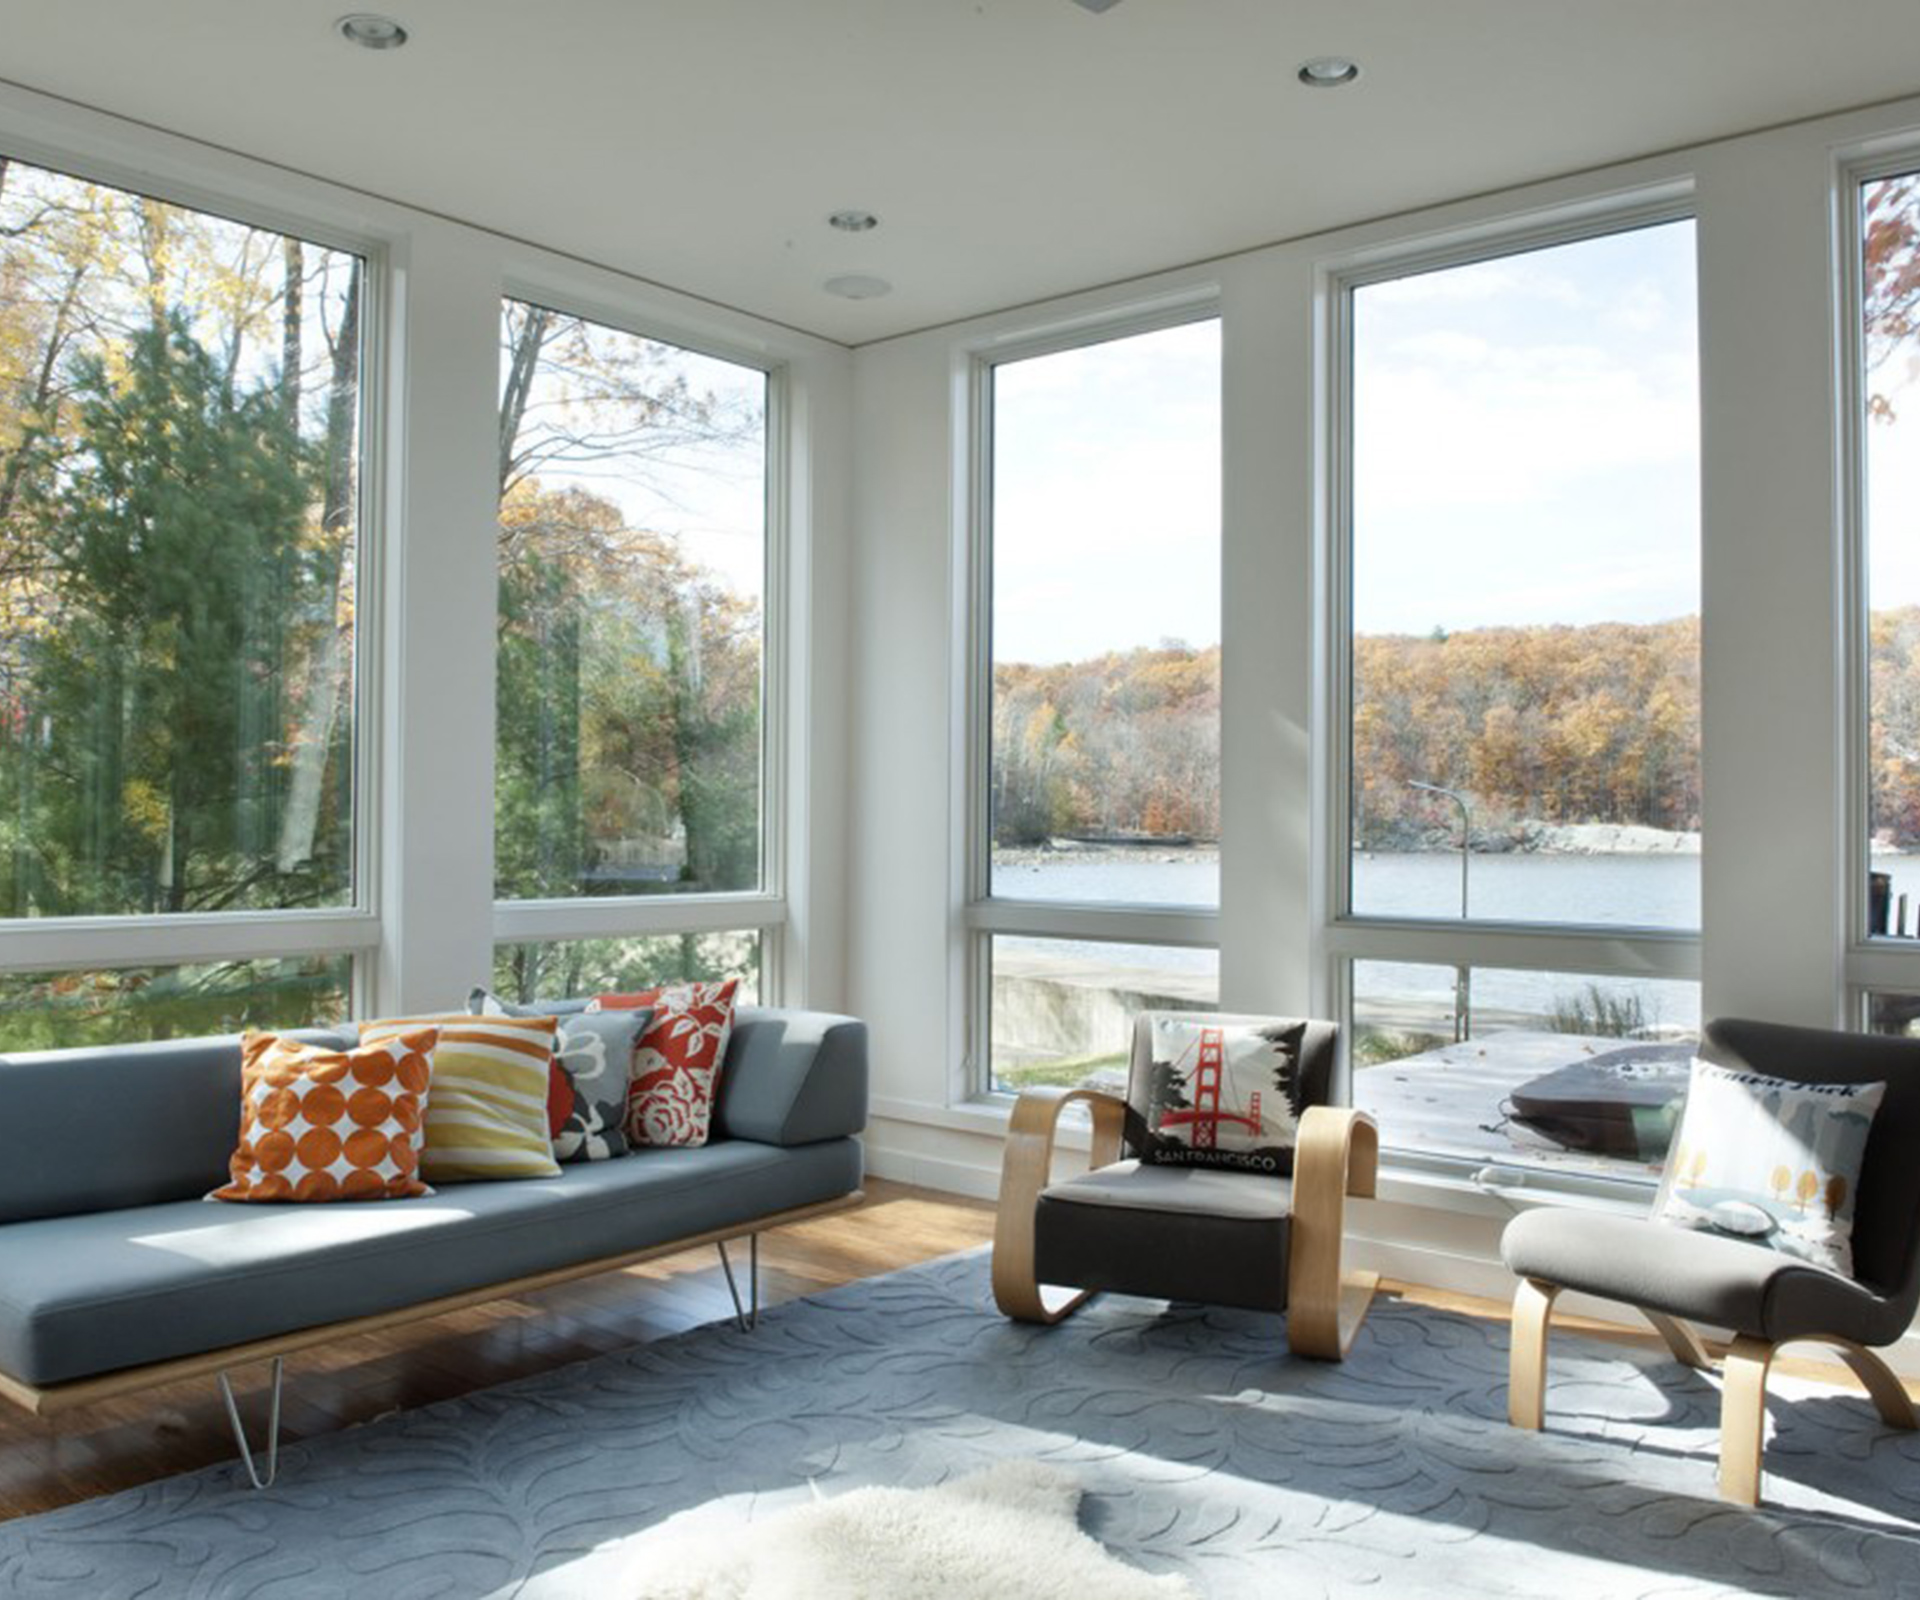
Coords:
pixel 177 1429
pixel 44 1464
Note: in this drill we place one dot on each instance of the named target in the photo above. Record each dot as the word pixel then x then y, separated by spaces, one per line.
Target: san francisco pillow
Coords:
pixel 1770 1161
pixel 1223 1095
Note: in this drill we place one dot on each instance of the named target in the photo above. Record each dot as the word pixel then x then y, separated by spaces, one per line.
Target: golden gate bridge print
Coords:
pixel 1205 1116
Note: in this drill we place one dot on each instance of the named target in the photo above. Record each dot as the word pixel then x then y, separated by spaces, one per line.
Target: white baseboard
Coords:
pixel 934 1172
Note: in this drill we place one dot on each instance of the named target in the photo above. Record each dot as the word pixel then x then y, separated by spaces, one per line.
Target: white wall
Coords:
pixel 1774 875
pixel 428 922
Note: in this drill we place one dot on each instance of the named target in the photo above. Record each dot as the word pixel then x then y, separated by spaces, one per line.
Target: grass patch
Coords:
pixel 1062 1072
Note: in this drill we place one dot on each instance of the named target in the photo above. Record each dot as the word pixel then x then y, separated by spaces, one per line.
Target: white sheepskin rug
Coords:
pixel 1011 1530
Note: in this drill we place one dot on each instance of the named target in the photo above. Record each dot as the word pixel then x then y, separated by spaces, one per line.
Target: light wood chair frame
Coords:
pixel 1742 1372
pixel 1337 1154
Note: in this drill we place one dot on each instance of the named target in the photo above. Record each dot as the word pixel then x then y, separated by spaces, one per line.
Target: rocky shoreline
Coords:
pixel 1522 838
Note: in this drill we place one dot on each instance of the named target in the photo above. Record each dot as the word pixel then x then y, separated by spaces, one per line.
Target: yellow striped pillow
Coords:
pixel 487 1104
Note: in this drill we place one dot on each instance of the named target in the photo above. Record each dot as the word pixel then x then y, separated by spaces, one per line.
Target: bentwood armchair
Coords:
pixel 1259 1240
pixel 1676 1277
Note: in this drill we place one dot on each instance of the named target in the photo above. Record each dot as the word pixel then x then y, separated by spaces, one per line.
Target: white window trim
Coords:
pixel 106 943
pixel 763 910
pixel 982 915
pixel 1599 950
pixel 1872 963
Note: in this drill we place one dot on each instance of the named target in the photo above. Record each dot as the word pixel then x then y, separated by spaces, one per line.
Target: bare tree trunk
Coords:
pixel 293 260
pixel 520 369
pixel 327 679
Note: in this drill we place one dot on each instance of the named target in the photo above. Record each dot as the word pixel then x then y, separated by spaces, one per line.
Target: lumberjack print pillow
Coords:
pixel 676 1068
pixel 1219 1094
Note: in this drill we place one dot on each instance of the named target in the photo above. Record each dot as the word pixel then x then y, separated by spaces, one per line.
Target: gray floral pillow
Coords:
pixel 593 1063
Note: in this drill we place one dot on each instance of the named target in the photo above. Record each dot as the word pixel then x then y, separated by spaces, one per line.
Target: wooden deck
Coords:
pixel 1454 1100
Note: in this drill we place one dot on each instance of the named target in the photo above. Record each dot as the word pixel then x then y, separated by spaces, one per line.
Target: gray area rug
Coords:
pixel 1203 1450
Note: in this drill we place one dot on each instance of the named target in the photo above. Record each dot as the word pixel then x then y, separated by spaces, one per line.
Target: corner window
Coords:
pixel 1521 597
pixel 1096 845
pixel 181 429
pixel 179 518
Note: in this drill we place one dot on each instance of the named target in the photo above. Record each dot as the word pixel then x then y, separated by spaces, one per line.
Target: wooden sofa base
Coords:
pixel 53 1399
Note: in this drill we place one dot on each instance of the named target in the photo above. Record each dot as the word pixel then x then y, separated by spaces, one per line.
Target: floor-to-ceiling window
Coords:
pixel 1096 797
pixel 631 820
pixel 181 460
pixel 1885 401
pixel 1518 849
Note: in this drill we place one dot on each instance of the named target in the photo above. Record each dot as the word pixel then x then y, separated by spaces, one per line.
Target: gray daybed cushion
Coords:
pixel 154 1122
pixel 90 1293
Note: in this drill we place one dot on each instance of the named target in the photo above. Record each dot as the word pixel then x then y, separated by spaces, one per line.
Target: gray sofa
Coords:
pixel 111 1263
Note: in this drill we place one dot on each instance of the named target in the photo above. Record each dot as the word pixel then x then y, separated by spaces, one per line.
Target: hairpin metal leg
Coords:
pixel 744 1319
pixel 273 1428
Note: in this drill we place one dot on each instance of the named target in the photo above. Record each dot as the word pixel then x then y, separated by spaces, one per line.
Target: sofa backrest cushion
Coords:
pixel 791 1077
pixel 121 1125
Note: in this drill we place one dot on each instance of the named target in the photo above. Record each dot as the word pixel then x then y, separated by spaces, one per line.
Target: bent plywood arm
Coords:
pixel 1337 1154
pixel 1026 1169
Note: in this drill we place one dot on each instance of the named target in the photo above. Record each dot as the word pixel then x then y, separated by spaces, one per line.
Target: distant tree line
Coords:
pixel 1599 723
pixel 1124 743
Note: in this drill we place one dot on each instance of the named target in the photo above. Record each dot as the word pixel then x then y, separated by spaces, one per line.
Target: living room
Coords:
pixel 1007 508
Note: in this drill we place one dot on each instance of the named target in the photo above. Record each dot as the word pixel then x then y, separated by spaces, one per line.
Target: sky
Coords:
pixel 712 499
pixel 1526 439
pixel 1106 497
pixel 1526 451
pixel 1893 486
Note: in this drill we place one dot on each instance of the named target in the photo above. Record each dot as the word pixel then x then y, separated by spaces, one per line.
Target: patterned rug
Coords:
pixel 1201 1448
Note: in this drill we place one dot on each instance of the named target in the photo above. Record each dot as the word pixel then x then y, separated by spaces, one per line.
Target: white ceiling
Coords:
pixel 1014 149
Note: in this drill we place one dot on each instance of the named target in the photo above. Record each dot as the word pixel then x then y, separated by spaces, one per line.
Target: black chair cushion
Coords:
pixel 1701 1277
pixel 1173 1233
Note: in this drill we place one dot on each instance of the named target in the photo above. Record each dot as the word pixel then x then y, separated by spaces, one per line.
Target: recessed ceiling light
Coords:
pixel 372 31
pixel 853 221
pixel 857 286
pixel 1328 72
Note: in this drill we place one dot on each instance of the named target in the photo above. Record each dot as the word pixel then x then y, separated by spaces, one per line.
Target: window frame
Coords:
pixel 1347 937
pixel 355 928
pixel 1873 963
pixel 763 910
pixel 982 915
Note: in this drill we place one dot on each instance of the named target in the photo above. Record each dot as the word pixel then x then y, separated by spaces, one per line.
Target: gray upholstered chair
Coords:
pixel 1676 1277
pixel 1258 1240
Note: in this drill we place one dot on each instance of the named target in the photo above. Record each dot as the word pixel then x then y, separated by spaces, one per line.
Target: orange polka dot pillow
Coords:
pixel 331 1124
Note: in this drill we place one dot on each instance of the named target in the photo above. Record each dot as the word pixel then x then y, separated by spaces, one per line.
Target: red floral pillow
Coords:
pixel 676 1064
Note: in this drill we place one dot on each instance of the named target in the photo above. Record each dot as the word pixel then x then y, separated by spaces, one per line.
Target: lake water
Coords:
pixel 1658 891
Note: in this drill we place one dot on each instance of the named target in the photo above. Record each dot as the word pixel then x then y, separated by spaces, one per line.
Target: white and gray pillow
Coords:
pixel 593 1056
pixel 1771 1161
